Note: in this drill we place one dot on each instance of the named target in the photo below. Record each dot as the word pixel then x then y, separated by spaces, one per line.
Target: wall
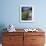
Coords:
pixel 9 13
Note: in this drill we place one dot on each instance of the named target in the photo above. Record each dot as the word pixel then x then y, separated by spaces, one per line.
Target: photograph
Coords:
pixel 26 13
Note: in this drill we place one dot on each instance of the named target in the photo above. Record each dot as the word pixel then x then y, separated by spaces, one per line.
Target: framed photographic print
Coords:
pixel 26 13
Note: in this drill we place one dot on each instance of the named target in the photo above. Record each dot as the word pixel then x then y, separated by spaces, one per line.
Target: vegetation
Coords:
pixel 25 15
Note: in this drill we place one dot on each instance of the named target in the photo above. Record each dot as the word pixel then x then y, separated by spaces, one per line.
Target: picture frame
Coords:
pixel 26 13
